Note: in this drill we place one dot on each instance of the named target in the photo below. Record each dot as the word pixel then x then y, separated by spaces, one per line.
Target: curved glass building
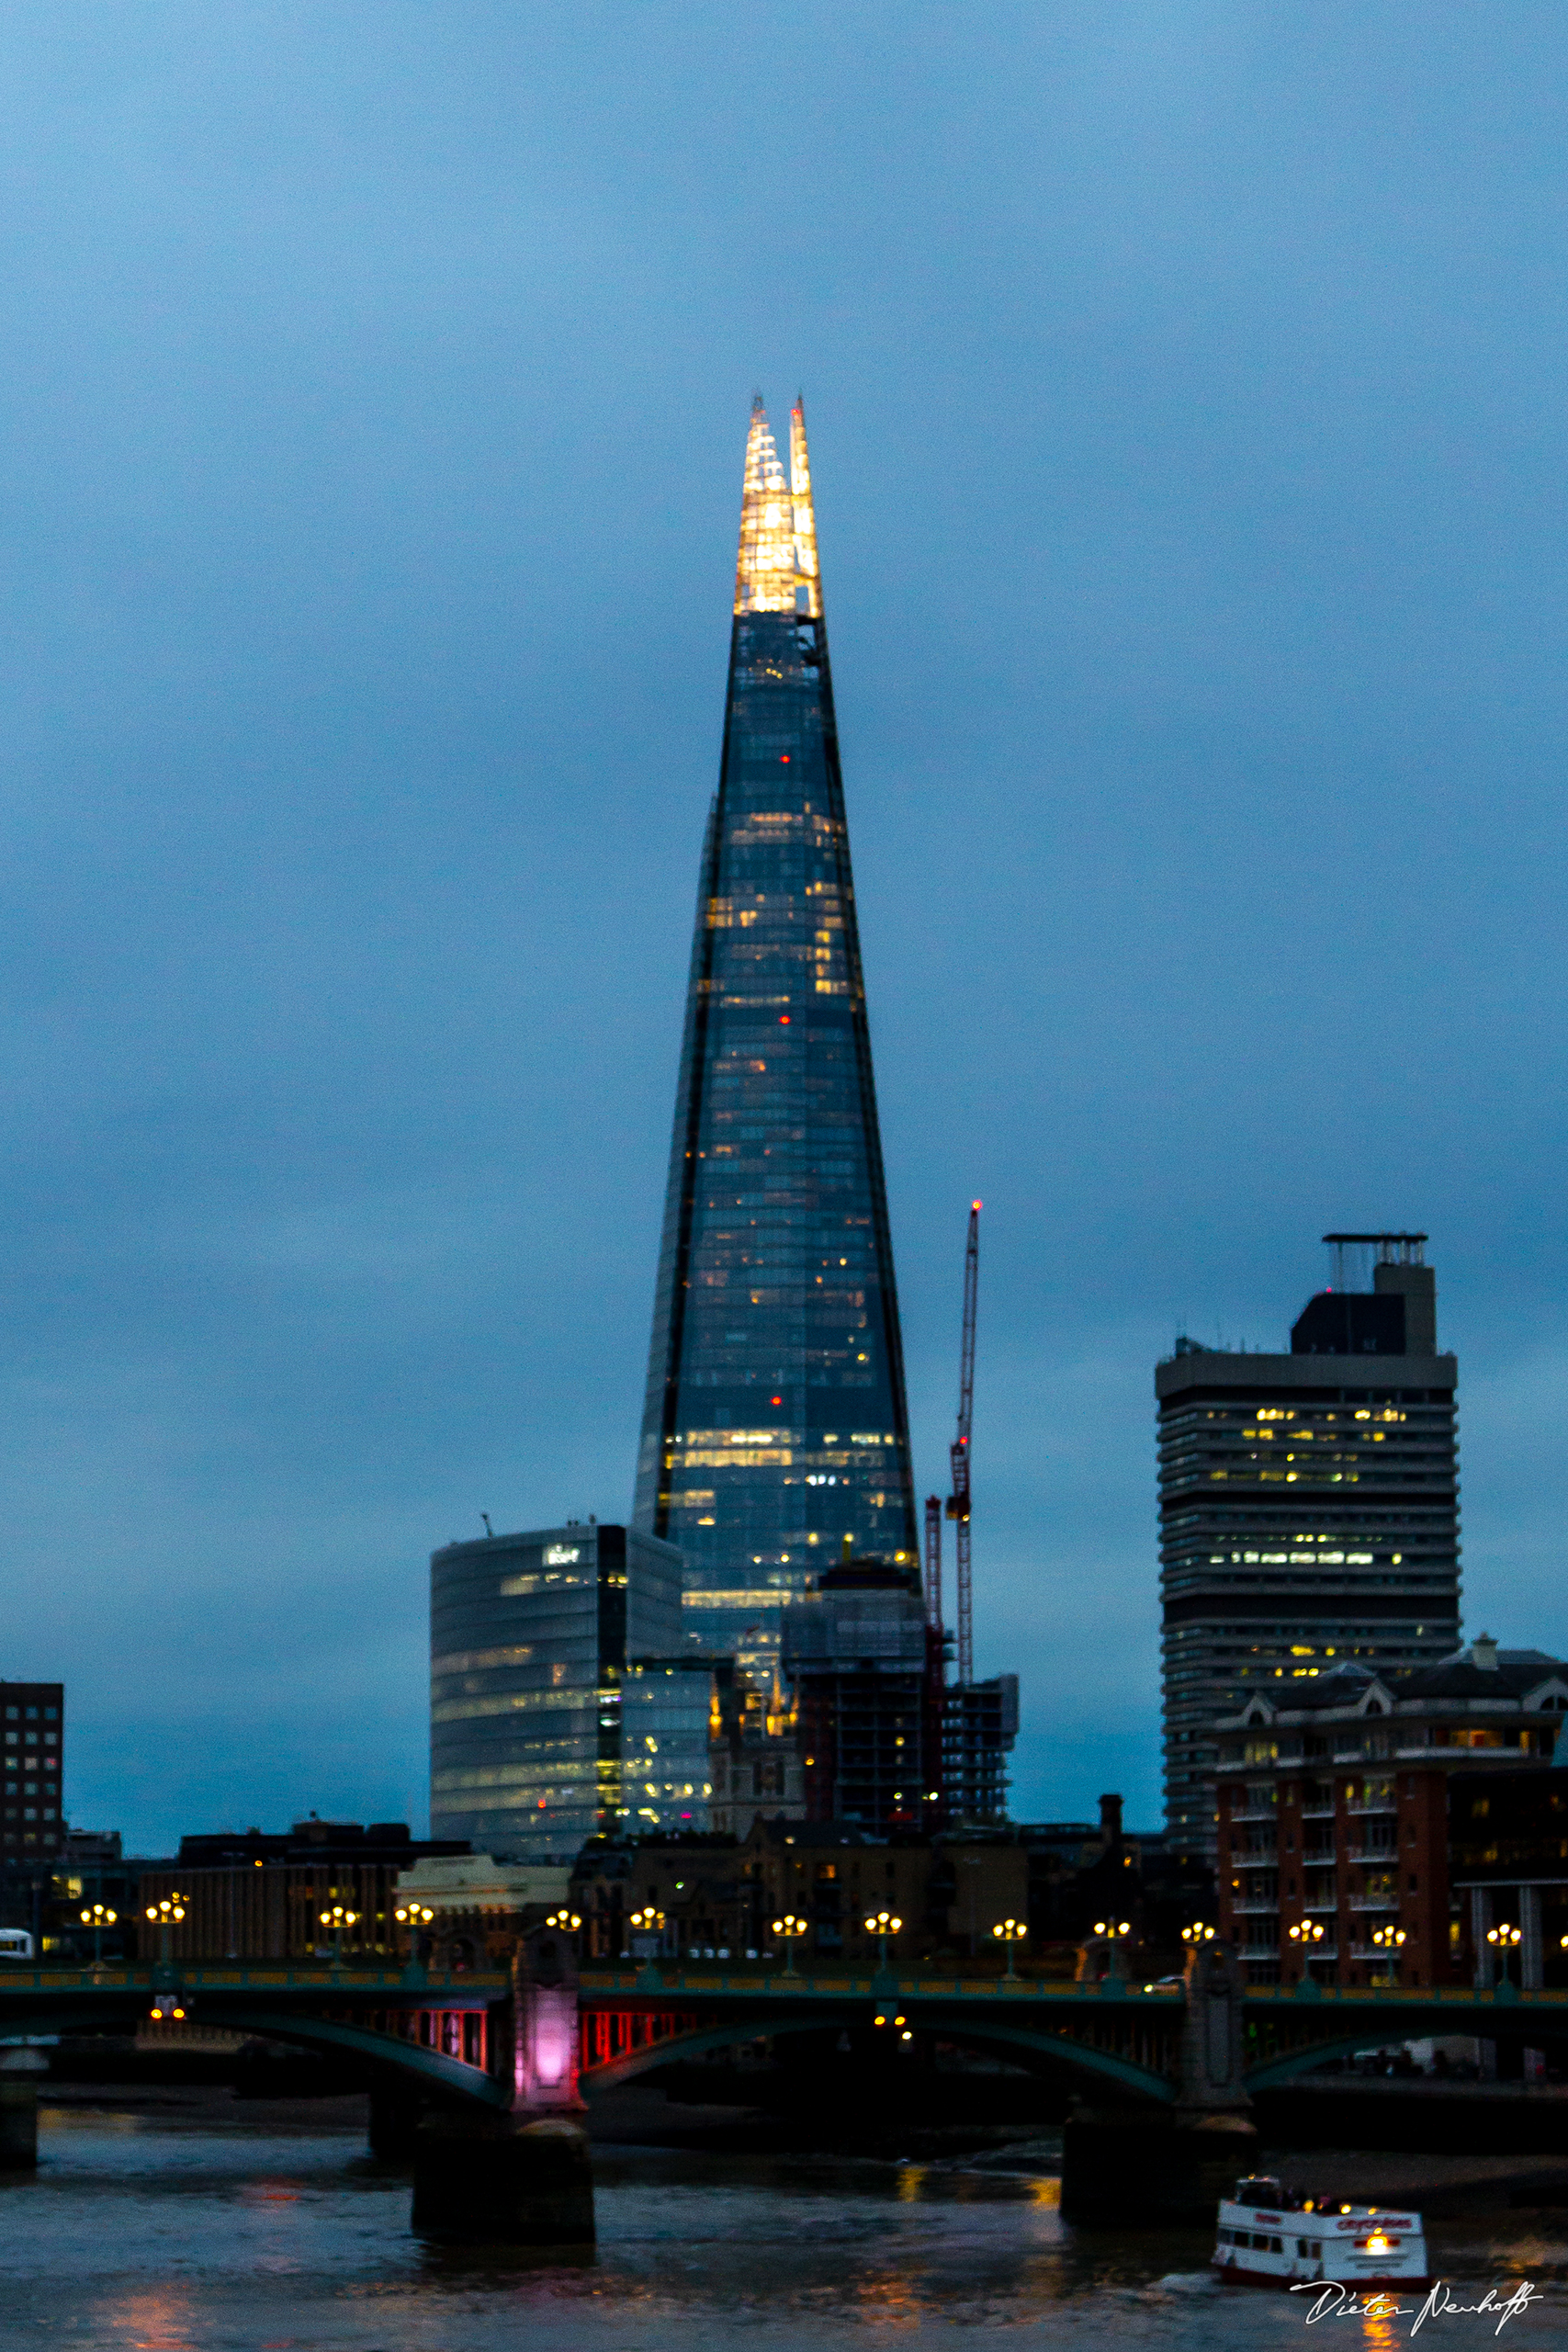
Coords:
pixel 774 1427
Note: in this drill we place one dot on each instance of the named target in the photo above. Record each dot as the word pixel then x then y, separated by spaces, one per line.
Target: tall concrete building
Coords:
pixel 560 1695
pixel 33 1715
pixel 1309 1507
pixel 776 1426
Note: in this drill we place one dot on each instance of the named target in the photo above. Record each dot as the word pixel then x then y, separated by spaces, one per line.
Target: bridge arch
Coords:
pixel 431 2070
pixel 996 2037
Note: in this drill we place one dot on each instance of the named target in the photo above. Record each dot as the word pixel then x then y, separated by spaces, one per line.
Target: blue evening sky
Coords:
pixel 1186 390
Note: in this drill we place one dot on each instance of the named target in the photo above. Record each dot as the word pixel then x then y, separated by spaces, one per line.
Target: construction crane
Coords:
pixel 958 1500
pixel 933 1562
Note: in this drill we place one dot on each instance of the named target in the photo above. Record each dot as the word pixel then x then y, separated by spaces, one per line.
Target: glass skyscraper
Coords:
pixel 776 1426
pixel 563 1704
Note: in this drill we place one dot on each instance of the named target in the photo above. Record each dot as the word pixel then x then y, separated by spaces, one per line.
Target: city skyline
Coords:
pixel 1188 454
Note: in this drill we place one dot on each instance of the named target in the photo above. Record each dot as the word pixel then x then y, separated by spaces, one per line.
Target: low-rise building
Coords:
pixel 719 1897
pixel 1333 1811
pixel 249 1896
pixel 468 1910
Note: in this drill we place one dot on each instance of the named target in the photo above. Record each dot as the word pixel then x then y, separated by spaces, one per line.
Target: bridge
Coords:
pixel 452 2038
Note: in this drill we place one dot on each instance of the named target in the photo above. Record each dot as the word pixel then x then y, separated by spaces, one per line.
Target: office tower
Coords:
pixel 1309 1507
pixel 979 1729
pixel 774 1425
pixel 865 1676
pixel 33 1714
pixel 532 1637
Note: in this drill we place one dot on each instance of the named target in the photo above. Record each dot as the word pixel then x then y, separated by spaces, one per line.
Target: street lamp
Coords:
pixel 789 1930
pixel 1201 1933
pixel 883 1925
pixel 97 1919
pixel 165 1916
pixel 1504 1941
pixel 414 1915
pixel 648 1921
pixel 337 1919
pixel 568 1922
pixel 1309 1932
pixel 1010 1932
pixel 1388 1939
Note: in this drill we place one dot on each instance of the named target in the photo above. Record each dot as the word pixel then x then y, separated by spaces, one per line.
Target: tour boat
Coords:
pixel 1271 2236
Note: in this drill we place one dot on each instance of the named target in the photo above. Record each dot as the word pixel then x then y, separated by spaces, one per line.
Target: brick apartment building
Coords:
pixel 1332 1812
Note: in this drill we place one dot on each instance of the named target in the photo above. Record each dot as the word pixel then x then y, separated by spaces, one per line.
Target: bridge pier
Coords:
pixel 20 2072
pixel 503 2180
pixel 394 2121
pixel 524 2176
pixel 1171 2164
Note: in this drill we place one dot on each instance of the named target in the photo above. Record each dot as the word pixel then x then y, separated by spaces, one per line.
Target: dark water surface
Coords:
pixel 145 2233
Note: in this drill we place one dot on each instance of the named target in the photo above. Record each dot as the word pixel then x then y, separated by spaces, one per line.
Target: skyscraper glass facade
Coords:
pixel 774 1424
pixel 533 1638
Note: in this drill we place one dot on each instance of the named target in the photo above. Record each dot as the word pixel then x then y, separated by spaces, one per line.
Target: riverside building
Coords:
pixel 1334 1815
pixel 1309 1507
pixel 774 1428
pixel 561 1694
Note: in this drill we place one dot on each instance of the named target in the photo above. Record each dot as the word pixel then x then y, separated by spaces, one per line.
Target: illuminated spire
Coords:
pixel 764 576
pixel 778 529
pixel 805 516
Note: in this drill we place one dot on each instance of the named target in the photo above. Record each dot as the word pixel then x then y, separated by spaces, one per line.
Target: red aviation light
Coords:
pixel 784 1018
pixel 784 759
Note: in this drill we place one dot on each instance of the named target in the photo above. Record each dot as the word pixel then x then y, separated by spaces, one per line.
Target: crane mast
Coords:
pixel 933 1562
pixel 958 1500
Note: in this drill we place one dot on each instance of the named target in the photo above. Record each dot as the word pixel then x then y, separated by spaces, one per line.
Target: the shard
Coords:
pixel 775 1427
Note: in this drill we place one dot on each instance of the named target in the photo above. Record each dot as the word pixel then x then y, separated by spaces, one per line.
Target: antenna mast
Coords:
pixel 958 1500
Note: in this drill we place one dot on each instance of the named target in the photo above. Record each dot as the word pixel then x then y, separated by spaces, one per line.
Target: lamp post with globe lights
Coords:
pixel 884 1925
pixel 789 1930
pixel 98 1918
pixel 1505 1941
pixel 337 1918
pixel 168 2001
pixel 1010 1933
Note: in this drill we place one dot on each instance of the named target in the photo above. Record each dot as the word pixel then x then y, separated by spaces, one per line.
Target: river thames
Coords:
pixel 143 2232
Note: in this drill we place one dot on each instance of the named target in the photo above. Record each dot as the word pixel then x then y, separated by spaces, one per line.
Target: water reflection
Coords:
pixel 165 2239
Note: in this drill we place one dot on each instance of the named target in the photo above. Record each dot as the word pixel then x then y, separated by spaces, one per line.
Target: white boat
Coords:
pixel 1271 2236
